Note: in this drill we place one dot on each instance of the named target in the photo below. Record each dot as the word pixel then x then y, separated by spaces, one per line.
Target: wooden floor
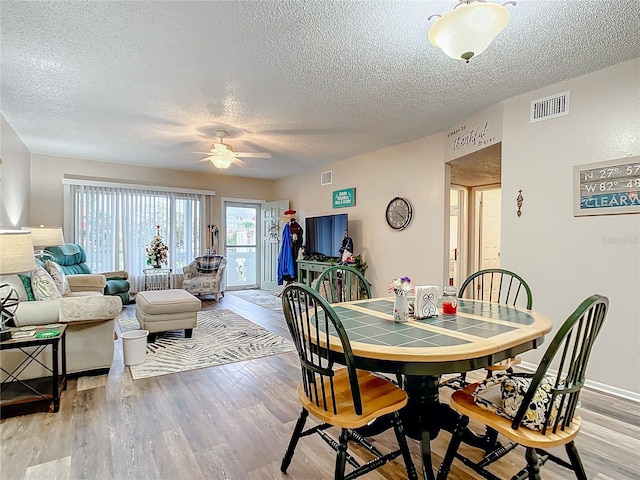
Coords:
pixel 234 422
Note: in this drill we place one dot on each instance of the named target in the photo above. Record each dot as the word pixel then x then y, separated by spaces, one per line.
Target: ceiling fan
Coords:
pixel 222 155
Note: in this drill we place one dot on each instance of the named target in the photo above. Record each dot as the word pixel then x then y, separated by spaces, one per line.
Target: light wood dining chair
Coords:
pixel 553 394
pixel 343 283
pixel 495 285
pixel 345 397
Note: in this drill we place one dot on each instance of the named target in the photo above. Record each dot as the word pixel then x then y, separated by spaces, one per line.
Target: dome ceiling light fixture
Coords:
pixel 468 29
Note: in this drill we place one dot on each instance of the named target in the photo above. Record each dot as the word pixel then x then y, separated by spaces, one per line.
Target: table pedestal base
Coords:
pixel 424 416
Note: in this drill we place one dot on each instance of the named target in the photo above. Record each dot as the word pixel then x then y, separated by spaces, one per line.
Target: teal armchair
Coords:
pixel 72 258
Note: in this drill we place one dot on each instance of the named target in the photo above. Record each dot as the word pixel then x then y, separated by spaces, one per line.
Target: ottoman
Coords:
pixel 164 310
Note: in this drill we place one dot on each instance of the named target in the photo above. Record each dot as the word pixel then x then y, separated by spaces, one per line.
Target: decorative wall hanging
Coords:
pixel 519 201
pixel 605 188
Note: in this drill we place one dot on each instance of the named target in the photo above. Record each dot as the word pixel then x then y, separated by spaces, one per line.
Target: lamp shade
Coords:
pixel 16 252
pixel 45 236
pixel 468 30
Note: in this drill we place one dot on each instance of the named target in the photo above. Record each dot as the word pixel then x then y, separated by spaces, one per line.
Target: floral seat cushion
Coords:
pixel 503 395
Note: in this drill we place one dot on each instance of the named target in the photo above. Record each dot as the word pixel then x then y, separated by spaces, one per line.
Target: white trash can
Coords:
pixel 134 346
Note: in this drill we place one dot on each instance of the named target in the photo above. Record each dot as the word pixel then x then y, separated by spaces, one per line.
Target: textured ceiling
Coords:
pixel 310 82
pixel 480 168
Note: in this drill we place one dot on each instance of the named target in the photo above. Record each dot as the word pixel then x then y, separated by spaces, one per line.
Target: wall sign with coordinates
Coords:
pixel 605 188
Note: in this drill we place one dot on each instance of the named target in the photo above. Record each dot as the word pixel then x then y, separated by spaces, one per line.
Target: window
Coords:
pixel 115 225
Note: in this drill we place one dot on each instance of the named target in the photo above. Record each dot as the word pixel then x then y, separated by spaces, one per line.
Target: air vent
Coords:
pixel 550 107
pixel 326 178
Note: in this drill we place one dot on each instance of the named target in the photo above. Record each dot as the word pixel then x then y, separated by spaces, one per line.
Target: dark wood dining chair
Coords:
pixel 568 356
pixel 495 285
pixel 343 397
pixel 343 283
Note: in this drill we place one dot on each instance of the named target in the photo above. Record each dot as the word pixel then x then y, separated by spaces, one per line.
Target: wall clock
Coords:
pixel 398 213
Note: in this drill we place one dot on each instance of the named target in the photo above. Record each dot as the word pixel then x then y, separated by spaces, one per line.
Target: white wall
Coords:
pixel 565 258
pixel 14 177
pixel 416 170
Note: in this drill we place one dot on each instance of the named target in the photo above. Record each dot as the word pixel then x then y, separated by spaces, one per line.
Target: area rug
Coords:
pixel 222 336
pixel 263 298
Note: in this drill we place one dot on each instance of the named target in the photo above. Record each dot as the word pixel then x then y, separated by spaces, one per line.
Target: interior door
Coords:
pixel 271 213
pixel 458 227
pixel 489 228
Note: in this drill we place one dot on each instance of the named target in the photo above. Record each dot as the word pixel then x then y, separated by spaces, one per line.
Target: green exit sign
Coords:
pixel 344 198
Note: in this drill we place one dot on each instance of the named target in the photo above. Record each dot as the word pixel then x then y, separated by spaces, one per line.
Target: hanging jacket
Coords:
pixel 286 265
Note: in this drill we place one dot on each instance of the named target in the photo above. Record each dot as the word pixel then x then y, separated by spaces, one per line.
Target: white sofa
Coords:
pixel 89 316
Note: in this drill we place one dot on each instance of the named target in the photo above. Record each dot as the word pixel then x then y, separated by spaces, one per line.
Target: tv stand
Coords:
pixel 309 270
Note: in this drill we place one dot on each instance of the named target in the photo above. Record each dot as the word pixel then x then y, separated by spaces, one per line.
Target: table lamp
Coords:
pixel 16 256
pixel 45 237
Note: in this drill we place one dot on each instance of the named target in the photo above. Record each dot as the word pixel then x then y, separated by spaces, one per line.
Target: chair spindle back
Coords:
pixel 568 354
pixel 311 323
pixel 497 285
pixel 342 283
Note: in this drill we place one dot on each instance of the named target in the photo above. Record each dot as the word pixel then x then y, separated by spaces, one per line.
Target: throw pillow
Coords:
pixel 43 286
pixel 208 264
pixel 514 388
pixel 488 395
pixel 503 395
pixel 59 277
pixel 26 281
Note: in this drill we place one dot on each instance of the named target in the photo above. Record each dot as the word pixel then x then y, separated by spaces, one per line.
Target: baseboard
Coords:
pixel 601 387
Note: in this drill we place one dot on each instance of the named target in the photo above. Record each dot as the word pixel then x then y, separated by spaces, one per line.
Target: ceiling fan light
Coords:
pixel 222 162
pixel 469 29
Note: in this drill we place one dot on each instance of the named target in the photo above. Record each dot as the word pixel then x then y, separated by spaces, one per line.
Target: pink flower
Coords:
pixel 401 286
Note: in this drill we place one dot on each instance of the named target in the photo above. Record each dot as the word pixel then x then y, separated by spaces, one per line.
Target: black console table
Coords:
pixel 16 394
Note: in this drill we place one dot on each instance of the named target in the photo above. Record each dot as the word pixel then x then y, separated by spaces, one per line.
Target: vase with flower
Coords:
pixel 402 288
pixel 157 251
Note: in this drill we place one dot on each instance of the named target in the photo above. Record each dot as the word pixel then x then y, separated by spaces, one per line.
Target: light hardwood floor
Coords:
pixel 234 422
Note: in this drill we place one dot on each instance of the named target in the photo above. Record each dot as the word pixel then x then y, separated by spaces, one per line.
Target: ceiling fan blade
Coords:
pixel 208 159
pixel 242 163
pixel 252 154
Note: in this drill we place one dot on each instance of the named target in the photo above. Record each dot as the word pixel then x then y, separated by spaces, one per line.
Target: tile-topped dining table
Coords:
pixel 478 335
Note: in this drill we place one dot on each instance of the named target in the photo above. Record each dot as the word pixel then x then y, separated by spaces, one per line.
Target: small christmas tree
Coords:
pixel 157 251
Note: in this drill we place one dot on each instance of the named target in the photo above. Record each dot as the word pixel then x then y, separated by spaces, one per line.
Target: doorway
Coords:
pixel 474 212
pixel 240 244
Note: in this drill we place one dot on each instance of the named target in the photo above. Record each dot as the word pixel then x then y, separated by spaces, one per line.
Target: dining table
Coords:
pixel 419 352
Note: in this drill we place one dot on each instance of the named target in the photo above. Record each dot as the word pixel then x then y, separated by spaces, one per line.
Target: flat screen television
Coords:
pixel 323 235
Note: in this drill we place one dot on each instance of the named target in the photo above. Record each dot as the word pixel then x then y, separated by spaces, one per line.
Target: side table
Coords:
pixel 157 278
pixel 15 394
